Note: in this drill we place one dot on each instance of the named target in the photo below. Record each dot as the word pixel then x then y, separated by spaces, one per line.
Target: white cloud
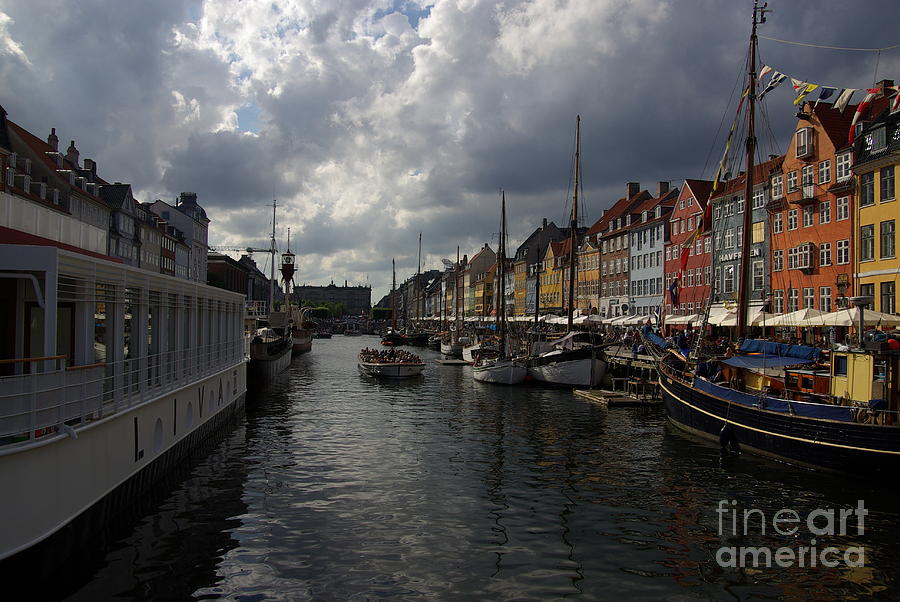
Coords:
pixel 373 125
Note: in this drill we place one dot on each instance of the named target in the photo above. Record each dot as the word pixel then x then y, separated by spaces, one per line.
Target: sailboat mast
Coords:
pixel 501 278
pixel 272 271
pixel 418 272
pixel 393 296
pixel 573 227
pixel 744 283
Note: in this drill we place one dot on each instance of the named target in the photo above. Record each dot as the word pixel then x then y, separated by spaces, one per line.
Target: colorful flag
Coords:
pixel 896 103
pixel 776 79
pixel 797 84
pixel 843 99
pixel 763 71
pixel 824 93
pixel 673 292
pixel 685 252
pixel 804 91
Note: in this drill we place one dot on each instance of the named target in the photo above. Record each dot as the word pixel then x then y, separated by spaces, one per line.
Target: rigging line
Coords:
pixel 809 45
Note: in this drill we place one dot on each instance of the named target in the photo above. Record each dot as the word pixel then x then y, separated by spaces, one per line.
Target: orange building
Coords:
pixel 811 211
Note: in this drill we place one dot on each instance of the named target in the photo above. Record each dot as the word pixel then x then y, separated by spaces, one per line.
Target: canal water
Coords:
pixel 335 486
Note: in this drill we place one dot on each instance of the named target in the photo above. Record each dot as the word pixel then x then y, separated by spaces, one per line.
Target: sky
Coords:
pixel 371 121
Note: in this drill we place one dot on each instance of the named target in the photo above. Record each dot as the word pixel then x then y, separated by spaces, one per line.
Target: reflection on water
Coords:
pixel 339 486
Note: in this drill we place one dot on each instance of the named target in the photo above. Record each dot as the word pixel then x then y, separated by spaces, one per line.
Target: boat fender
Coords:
pixel 728 438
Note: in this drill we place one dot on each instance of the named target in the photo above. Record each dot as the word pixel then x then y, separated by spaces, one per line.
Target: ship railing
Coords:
pixel 52 399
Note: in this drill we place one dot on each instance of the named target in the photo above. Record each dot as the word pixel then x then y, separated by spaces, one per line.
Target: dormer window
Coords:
pixel 658 212
pixel 803 141
pixel 643 216
pixel 875 140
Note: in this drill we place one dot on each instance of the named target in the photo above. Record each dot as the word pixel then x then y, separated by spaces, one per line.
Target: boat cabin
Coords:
pixel 864 377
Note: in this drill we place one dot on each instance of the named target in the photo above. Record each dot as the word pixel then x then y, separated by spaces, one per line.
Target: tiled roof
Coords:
pixel 41 148
pixel 761 173
pixel 621 207
pixel 700 188
pixel 115 194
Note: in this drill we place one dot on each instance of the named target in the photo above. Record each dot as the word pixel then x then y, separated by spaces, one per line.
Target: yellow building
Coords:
pixel 552 276
pixel 520 287
pixel 588 286
pixel 877 152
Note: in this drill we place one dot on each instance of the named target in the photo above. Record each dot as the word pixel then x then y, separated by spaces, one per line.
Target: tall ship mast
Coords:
pixel 575 359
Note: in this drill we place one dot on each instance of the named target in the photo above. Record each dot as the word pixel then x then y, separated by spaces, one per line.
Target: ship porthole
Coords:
pixel 189 415
pixel 158 436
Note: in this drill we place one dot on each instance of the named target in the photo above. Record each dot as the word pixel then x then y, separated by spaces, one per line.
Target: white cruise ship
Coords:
pixel 114 362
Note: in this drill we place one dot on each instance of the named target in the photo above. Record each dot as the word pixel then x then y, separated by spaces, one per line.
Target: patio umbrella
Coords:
pixel 795 317
pixel 850 317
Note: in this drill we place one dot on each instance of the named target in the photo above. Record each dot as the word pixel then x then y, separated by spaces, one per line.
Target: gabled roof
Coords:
pixel 618 209
pixel 700 189
pixel 835 124
pixel 4 131
pixel 115 195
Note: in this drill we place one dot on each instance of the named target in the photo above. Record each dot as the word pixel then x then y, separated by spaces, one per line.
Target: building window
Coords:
pixel 888 298
pixel 825 171
pixel 825 253
pixel 843 252
pixel 867 243
pixel 843 166
pixel 808 213
pixel 706 272
pixel 803 142
pixel 886 176
pixel 778 260
pixel 887 239
pixel 729 238
pixel 867 189
pixel 759 232
pixel 825 212
pixel 758 276
pixel 759 198
pixel 777 186
pixel 740 205
pixel 867 290
pixel 807 175
pixel 778 223
pixel 792 181
pixel 728 279
pixel 792 219
pixel 825 298
pixel 707 242
pixel 740 236
pixel 843 208
pixel 778 304
pixel 793 300
pixel 809 298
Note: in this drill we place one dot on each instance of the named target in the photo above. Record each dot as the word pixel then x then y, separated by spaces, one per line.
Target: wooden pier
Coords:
pixel 616 398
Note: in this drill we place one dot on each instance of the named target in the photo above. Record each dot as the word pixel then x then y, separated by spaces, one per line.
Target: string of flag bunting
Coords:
pixel 802 89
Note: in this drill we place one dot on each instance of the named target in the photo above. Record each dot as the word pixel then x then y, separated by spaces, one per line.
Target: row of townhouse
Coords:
pixel 822 229
pixel 53 198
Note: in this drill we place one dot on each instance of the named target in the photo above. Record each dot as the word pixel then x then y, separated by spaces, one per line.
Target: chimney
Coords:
pixel 91 166
pixel 72 154
pixel 544 225
pixel 632 189
pixel 662 188
pixel 52 140
pixel 884 85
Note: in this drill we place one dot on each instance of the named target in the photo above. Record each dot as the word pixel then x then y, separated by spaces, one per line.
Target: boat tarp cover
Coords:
pixel 802 352
pixel 762 361
pixel 657 340
pixel 799 408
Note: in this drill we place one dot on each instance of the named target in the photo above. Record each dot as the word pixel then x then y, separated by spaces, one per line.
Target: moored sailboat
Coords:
pixel 835 410
pixel 571 360
pixel 498 367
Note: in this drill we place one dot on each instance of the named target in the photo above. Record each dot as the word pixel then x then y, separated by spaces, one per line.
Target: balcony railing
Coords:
pixel 62 399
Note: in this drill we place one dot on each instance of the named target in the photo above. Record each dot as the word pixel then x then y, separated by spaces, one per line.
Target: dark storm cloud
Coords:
pixel 371 131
